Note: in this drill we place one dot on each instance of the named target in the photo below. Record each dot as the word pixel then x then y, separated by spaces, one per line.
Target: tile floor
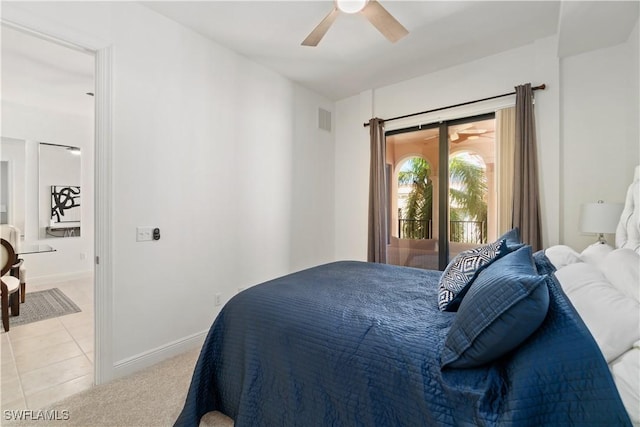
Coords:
pixel 43 362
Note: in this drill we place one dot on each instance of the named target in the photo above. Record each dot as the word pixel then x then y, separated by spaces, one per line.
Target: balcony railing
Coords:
pixel 468 231
pixel 415 229
pixel 460 231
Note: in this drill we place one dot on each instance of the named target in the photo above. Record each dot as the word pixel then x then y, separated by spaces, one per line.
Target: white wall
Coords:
pixel 535 63
pixel 312 183
pixel 352 176
pixel 599 131
pixel 73 256
pixel 204 150
pixel 207 146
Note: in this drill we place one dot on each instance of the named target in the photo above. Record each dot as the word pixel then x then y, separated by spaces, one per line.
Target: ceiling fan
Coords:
pixel 371 9
pixel 470 134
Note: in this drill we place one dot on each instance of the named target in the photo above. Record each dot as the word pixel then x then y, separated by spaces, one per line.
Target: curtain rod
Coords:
pixel 540 87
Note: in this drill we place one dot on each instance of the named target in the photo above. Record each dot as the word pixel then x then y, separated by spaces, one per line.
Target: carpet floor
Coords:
pixel 152 397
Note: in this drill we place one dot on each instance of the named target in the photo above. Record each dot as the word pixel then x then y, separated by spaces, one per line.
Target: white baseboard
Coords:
pixel 143 360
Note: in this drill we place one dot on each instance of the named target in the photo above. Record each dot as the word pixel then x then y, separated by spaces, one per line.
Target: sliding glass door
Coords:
pixel 441 190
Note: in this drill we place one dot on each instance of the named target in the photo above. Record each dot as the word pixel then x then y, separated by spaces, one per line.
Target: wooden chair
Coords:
pixel 9 284
pixel 12 234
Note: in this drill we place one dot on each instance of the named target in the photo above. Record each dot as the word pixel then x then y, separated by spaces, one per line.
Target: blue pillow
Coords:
pixel 543 264
pixel 512 237
pixel 462 270
pixel 506 304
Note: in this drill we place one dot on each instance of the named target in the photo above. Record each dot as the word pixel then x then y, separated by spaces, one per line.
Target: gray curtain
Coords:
pixel 526 198
pixel 377 241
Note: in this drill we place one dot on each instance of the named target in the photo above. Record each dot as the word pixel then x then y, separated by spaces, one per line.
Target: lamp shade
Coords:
pixel 600 217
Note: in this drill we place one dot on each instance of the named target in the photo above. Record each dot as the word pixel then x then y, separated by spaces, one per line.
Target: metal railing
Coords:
pixel 415 229
pixel 468 231
pixel 460 231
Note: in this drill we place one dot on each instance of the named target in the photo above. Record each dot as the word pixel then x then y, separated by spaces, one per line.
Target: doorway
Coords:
pixel 48 106
pixel 442 196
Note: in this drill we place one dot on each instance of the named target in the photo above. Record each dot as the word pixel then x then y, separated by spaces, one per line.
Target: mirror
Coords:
pixel 12 182
pixel 59 190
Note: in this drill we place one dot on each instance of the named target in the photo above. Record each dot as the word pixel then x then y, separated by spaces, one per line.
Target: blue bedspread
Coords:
pixel 358 344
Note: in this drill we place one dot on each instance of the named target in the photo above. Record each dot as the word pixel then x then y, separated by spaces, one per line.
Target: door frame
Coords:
pixel 103 171
pixel 443 172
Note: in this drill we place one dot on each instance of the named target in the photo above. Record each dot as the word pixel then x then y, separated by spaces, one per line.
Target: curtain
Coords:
pixel 505 143
pixel 377 233
pixel 526 199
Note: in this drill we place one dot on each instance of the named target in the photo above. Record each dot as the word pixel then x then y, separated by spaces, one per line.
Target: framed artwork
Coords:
pixel 65 203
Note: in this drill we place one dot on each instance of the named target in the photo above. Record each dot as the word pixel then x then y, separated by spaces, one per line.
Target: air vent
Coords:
pixel 324 119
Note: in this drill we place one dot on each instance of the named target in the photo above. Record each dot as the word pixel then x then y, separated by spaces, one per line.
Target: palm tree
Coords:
pixel 467 195
pixel 419 205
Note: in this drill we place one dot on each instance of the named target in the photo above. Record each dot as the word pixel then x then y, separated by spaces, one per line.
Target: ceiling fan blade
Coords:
pixel 318 32
pixel 383 21
pixel 472 131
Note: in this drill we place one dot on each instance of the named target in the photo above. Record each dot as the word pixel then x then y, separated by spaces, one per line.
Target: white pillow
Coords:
pixel 626 374
pixel 561 255
pixel 595 254
pixel 621 267
pixel 611 317
pixel 578 275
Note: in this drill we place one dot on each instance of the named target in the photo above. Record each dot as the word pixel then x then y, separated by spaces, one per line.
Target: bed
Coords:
pixel 362 344
pixel 603 284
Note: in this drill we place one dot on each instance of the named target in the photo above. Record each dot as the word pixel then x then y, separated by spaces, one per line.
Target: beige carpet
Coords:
pixel 152 397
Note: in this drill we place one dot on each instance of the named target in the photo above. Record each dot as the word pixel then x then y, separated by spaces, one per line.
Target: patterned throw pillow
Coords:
pixel 463 269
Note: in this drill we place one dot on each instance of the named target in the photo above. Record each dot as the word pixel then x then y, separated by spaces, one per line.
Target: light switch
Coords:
pixel 144 234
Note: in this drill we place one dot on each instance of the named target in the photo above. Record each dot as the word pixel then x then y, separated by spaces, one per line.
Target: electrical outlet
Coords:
pixel 144 234
pixel 218 299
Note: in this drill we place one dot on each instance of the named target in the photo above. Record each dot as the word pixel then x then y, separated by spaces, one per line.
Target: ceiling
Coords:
pixel 42 74
pixel 353 56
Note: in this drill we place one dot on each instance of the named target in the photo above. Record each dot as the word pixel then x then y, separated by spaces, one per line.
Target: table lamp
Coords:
pixel 601 218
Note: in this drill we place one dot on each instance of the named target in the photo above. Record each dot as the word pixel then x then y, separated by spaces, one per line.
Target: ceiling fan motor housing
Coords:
pixel 351 6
